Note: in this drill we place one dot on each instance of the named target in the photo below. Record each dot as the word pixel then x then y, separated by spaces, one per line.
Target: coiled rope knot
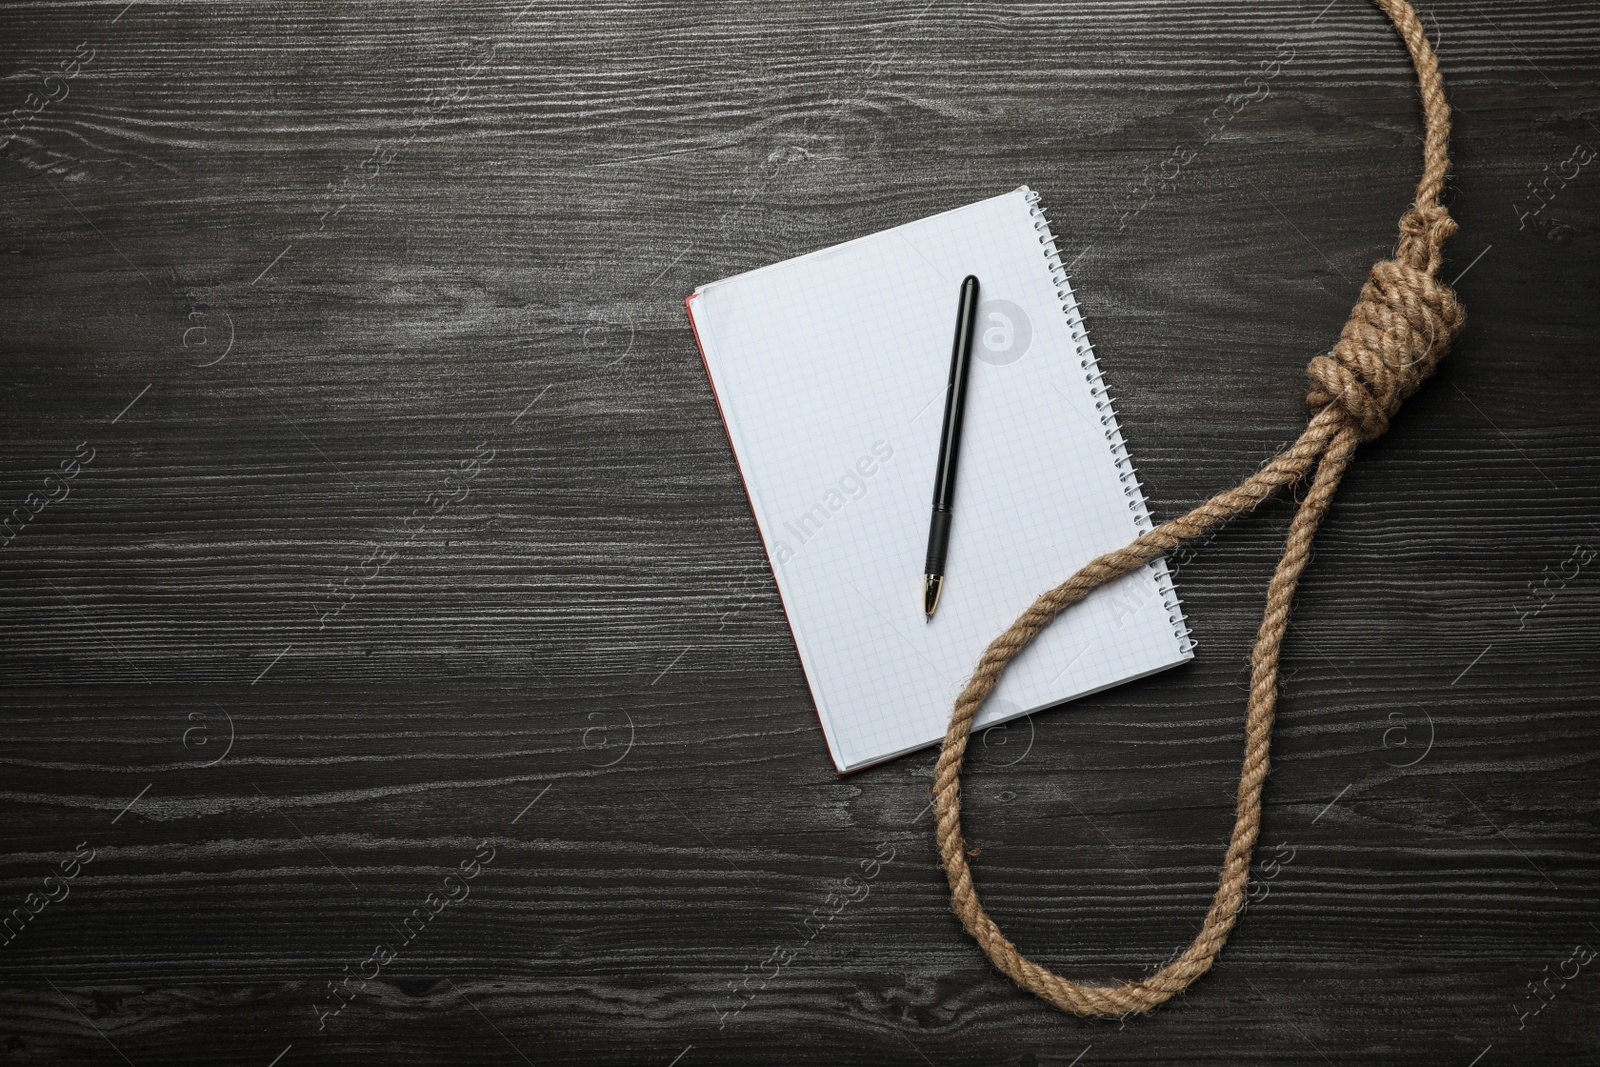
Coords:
pixel 1400 328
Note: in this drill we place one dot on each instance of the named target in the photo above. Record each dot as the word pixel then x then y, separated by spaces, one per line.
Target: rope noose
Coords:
pixel 1400 328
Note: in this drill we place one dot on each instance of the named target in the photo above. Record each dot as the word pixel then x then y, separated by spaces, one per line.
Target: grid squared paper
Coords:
pixel 830 371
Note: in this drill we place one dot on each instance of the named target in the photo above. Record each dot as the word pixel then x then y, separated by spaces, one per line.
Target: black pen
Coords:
pixel 944 478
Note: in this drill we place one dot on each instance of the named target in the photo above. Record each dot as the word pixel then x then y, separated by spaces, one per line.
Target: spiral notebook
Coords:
pixel 830 371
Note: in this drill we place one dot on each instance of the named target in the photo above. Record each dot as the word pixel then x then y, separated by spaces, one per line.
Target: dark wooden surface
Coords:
pixel 329 252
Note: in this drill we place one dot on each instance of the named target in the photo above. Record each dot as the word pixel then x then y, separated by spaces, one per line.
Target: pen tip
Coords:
pixel 931 585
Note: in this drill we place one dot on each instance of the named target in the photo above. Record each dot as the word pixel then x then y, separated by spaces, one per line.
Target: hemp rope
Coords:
pixel 1400 328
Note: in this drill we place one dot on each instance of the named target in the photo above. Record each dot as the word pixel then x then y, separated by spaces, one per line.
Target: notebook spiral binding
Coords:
pixel 1127 475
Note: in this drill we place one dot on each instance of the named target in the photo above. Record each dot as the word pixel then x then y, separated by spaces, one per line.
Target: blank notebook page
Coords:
pixel 830 371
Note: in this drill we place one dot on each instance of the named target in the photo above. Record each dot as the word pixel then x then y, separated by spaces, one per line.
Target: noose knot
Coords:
pixel 1399 330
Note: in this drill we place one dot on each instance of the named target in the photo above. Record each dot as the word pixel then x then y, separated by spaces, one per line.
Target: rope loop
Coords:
pixel 1400 328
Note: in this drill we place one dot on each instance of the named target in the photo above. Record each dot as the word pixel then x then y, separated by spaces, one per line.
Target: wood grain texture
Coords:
pixel 282 268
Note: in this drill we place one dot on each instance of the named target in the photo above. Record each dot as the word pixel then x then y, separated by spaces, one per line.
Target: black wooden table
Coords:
pixel 378 573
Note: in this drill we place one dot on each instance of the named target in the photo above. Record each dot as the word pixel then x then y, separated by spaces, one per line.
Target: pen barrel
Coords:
pixel 955 397
pixel 938 541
